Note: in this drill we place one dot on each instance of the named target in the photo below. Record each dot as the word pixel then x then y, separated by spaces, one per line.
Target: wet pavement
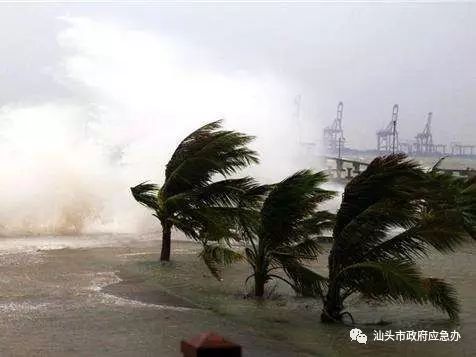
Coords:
pixel 52 303
pixel 106 295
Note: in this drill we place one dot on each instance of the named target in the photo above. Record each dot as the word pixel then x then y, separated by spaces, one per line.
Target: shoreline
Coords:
pixel 118 300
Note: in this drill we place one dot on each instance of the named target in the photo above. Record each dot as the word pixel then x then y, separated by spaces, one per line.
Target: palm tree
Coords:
pixel 280 229
pixel 289 232
pixel 189 199
pixel 392 214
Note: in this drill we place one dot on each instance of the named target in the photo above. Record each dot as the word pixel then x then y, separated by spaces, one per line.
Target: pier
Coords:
pixel 343 170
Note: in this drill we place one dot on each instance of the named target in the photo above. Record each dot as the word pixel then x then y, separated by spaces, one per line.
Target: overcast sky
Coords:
pixel 370 56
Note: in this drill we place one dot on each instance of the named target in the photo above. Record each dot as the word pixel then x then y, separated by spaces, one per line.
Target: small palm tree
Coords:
pixel 289 233
pixel 280 229
pixel 391 214
pixel 189 199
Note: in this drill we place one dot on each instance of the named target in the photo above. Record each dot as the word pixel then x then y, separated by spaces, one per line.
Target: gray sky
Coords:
pixel 370 56
pixel 94 98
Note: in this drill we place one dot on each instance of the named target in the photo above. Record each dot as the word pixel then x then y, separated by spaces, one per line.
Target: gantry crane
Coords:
pixel 387 139
pixel 334 134
pixel 424 140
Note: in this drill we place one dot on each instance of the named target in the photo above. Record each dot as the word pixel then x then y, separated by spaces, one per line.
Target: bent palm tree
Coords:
pixel 288 233
pixel 280 230
pixel 188 199
pixel 391 214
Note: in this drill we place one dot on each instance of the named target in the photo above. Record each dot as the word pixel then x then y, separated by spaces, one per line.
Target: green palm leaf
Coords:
pixel 288 203
pixel 391 214
pixel 399 281
pixel 146 194
pixel 442 296
pixel 191 199
pixel 218 256
pixel 283 231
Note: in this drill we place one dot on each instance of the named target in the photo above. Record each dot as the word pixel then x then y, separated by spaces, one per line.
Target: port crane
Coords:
pixel 387 139
pixel 334 134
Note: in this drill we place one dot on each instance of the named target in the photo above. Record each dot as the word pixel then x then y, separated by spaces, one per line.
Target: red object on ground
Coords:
pixel 209 344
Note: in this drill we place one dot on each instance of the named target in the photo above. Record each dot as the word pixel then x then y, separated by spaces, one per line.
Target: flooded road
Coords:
pixel 106 295
pixel 52 303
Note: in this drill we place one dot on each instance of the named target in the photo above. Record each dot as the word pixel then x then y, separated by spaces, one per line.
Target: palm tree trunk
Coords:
pixel 166 242
pixel 333 306
pixel 259 285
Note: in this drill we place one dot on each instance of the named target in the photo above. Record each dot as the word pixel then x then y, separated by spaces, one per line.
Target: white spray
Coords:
pixel 67 164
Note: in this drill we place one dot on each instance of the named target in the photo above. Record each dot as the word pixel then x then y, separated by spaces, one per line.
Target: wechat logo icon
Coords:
pixel 357 335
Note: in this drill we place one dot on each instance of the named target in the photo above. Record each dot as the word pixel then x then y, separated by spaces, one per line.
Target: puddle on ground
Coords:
pixel 110 280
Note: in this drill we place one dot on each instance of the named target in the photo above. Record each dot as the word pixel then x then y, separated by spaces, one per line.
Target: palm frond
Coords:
pixel 308 248
pixel 289 202
pixel 221 193
pixel 206 222
pixel 318 223
pixel 442 296
pixel 392 177
pixel 399 281
pixel 373 225
pixel 205 153
pixel 305 281
pixel 190 144
pixel 218 256
pixel 229 192
pixel 147 195
pixel 455 194
pixel 391 280
pixel 431 231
